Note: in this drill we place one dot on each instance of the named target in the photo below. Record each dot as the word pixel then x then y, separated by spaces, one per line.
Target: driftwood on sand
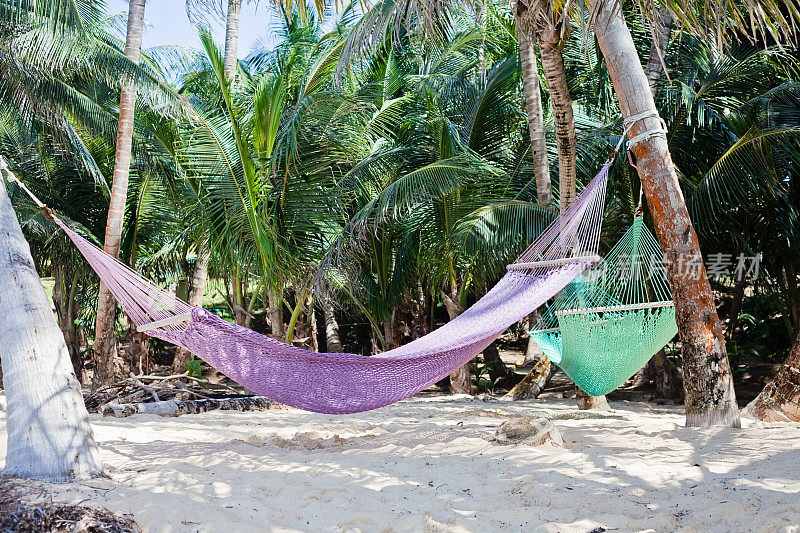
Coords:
pixel 183 407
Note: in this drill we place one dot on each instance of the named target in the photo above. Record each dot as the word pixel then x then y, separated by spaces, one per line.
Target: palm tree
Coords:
pixel 105 344
pixel 551 23
pixel 199 277
pixel 710 399
pixel 49 435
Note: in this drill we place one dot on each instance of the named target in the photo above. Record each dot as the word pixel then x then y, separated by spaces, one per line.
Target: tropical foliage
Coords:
pixel 380 170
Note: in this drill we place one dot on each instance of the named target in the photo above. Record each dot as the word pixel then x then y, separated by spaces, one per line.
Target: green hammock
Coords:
pixel 612 319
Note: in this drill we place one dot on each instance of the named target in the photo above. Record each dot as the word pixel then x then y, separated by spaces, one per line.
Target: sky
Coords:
pixel 166 22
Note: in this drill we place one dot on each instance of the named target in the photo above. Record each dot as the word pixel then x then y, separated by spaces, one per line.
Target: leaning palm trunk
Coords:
pixel 105 344
pixel 710 399
pixel 534 382
pixel 780 399
pixel 564 119
pixel 49 436
pixel 533 100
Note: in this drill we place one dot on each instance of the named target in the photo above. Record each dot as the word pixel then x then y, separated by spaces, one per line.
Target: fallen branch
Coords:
pixel 186 376
pixel 147 389
pixel 183 407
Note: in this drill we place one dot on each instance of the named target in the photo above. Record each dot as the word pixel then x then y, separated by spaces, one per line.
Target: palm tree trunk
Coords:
pixel 105 344
pixel 232 39
pixel 301 296
pixel 200 271
pixel 275 312
pixel 461 378
pixel 533 100
pixel 239 301
pixel 480 22
pixel 49 435
pixel 736 305
pixel 662 28
pixel 556 77
pixel 708 383
pixel 534 382
pixel 780 399
pixel 332 340
pixel 196 292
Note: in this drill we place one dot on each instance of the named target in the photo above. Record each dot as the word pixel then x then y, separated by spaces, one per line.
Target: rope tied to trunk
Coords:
pixel 49 214
pixel 660 132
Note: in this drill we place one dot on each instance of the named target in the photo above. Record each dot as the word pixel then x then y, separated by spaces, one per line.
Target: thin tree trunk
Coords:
pixel 780 399
pixel 300 297
pixel 388 333
pixel 793 296
pixel 461 378
pixel 736 305
pixel 480 22
pixel 232 39
pixel 73 337
pixel 532 350
pixel 312 319
pixel 64 301
pixel 556 77
pixel 662 28
pixel 239 294
pixel 533 100
pixel 708 382
pixel 499 373
pixel 666 377
pixel 333 342
pixel 587 401
pixel 105 344
pixel 49 435
pixel 198 289
pixel 275 312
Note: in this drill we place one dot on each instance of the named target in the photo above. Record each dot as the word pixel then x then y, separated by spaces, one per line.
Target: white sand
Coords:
pixel 427 464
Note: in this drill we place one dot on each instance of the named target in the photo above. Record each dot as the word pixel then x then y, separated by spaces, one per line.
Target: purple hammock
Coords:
pixel 349 383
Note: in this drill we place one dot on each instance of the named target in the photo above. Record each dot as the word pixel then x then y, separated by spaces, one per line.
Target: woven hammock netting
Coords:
pixel 606 324
pixel 346 382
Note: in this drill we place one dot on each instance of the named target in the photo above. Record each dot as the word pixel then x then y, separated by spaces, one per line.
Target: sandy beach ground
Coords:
pixel 429 464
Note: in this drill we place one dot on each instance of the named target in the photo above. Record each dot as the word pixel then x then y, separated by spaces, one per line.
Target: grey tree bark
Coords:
pixel 275 312
pixel 708 382
pixel 232 39
pixel 105 344
pixel 662 28
pixel 334 342
pixel 48 430
pixel 461 378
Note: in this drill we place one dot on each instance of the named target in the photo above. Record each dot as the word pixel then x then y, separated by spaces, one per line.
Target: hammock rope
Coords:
pixel 344 382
